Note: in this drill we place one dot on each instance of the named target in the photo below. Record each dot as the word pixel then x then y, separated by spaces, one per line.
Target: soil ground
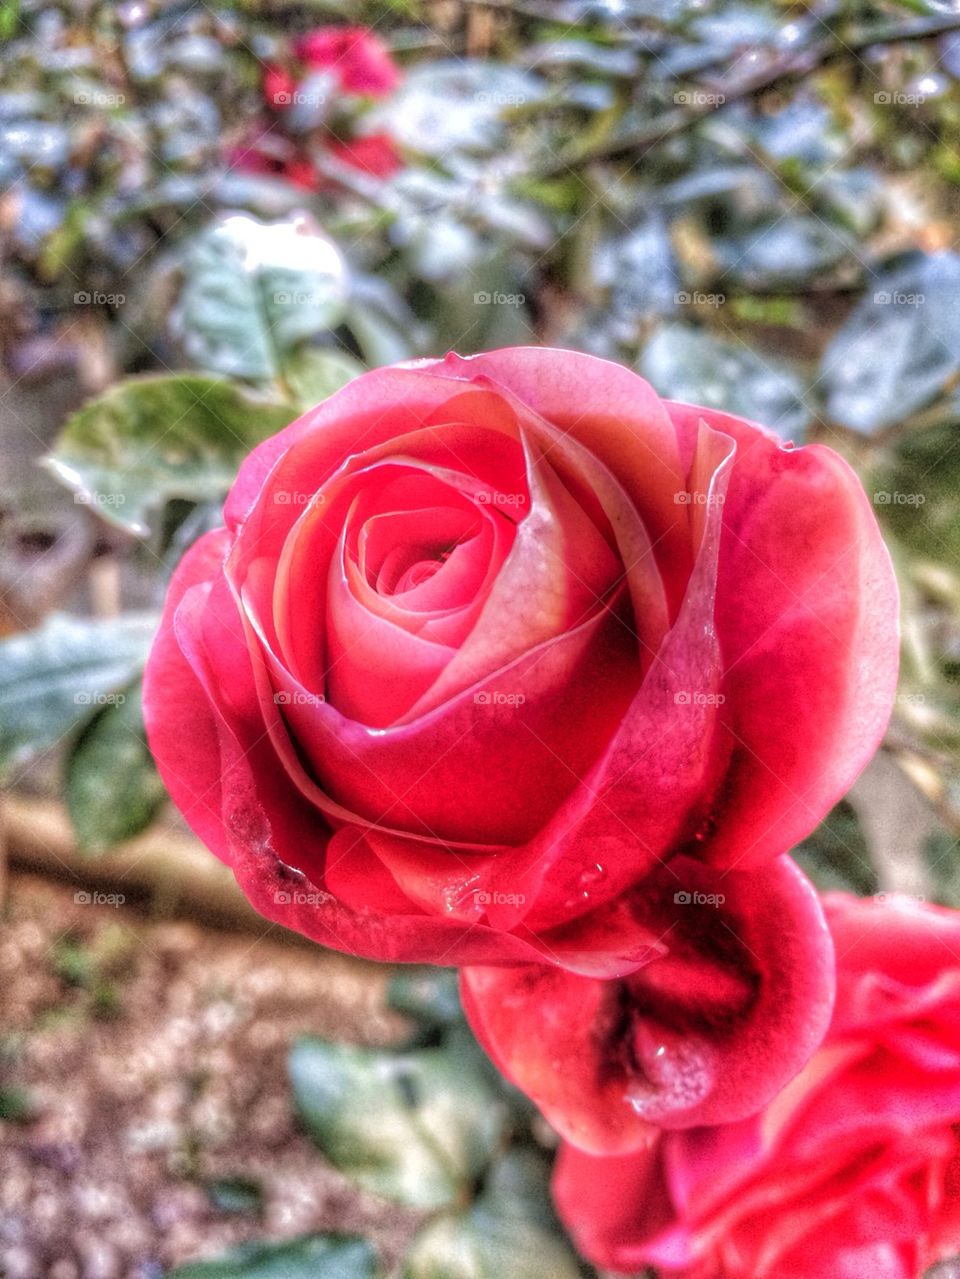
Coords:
pixel 147 1059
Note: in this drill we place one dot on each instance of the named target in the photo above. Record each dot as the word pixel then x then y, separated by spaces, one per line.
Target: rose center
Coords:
pixel 407 567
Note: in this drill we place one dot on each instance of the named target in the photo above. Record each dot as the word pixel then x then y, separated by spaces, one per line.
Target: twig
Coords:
pixel 792 66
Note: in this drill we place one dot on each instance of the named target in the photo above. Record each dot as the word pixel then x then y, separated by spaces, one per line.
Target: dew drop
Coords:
pixel 590 878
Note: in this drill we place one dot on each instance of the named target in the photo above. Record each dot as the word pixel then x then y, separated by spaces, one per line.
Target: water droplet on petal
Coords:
pixel 591 877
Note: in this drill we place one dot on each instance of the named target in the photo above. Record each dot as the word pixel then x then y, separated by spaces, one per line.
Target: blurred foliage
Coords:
pixel 211 229
pixel 429 1125
pixel 753 204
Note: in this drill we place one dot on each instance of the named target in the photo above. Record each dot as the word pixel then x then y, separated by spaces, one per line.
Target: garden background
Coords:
pixel 211 216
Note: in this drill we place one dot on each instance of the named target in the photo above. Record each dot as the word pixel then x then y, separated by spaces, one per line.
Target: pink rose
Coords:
pixel 487 644
pixel 853 1171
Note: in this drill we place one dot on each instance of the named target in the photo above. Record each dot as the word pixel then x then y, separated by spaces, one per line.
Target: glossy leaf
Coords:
pixel 253 291
pixel 417 1127
pixel 113 790
pixel 54 678
pixel 150 439
pixel 309 1257
pixel 691 364
pixel 510 1230
pixel 900 346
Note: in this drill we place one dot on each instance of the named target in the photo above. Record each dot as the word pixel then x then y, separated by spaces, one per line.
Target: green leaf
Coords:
pixel 413 1126
pixel 510 1230
pixel 236 1195
pixel 252 291
pixel 836 856
pixel 15 1105
pixel 313 373
pixel 310 1257
pixel 900 346
pixel 915 493
pixel 431 995
pixel 53 678
pixel 691 364
pixel 112 788
pixel 153 438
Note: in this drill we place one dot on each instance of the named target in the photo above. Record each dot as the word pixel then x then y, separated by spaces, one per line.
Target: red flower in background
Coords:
pixel 852 1171
pixel 359 60
pixel 362 67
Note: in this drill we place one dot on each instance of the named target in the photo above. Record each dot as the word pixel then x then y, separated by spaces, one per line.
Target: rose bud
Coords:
pixel 853 1170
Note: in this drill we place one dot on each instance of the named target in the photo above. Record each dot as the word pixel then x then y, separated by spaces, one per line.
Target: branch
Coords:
pixel 791 66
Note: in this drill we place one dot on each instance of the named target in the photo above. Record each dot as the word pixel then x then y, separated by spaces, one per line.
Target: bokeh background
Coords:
pixel 212 215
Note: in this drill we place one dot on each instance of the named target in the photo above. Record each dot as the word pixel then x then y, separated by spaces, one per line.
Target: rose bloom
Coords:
pixel 360 65
pixel 854 1169
pixel 276 155
pixel 360 61
pixel 500 660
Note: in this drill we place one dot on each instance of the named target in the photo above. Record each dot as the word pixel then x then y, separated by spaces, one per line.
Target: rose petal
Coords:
pixel 806 609
pixel 705 1034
